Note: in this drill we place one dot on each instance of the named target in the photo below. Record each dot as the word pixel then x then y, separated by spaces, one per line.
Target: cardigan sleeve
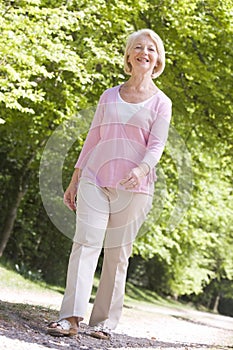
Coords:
pixel 93 135
pixel 158 134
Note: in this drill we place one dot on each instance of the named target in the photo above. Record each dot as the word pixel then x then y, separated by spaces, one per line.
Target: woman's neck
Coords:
pixel 140 84
pixel 137 90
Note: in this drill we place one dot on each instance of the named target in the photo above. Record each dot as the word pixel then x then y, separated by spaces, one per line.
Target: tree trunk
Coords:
pixel 216 304
pixel 10 219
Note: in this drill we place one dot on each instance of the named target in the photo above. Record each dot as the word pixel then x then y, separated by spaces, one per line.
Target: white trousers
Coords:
pixel 107 218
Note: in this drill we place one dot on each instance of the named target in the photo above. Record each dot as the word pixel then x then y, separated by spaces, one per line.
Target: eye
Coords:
pixel 152 49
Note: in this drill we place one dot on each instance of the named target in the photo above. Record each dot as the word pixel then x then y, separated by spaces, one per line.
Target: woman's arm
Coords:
pixel 155 146
pixel 158 135
pixel 93 135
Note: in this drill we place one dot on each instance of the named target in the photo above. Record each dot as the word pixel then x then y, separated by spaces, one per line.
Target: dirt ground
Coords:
pixel 23 320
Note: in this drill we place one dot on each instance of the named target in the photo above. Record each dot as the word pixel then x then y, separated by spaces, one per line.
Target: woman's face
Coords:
pixel 143 55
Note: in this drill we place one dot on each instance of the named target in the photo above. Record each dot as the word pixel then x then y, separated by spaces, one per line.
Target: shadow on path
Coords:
pixel 27 323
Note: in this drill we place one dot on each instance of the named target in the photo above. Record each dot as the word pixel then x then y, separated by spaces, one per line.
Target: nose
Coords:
pixel 145 50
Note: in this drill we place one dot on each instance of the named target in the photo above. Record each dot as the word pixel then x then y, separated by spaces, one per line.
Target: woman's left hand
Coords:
pixel 135 176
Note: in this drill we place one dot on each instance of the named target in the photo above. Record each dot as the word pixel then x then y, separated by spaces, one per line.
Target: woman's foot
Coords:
pixel 64 327
pixel 101 333
pixel 74 321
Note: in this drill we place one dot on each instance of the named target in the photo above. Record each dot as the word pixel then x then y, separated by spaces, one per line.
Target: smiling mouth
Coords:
pixel 142 59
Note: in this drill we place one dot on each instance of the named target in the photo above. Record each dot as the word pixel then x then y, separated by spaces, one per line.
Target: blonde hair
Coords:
pixel 159 68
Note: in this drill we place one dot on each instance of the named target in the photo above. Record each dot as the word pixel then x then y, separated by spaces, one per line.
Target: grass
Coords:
pixel 11 280
pixel 18 313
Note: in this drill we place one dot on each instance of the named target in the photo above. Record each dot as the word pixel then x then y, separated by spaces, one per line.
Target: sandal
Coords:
pixel 61 328
pixel 101 333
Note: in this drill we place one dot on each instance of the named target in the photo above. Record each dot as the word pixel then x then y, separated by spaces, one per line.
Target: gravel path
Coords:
pixel 23 319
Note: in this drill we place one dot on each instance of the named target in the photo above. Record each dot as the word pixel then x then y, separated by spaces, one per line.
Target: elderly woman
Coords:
pixel 112 186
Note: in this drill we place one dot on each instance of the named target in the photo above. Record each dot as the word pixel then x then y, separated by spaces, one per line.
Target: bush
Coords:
pixel 225 306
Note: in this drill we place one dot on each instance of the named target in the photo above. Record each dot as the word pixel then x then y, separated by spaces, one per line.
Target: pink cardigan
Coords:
pixel 113 147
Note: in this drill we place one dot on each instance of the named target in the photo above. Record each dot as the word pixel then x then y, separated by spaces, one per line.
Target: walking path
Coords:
pixel 23 317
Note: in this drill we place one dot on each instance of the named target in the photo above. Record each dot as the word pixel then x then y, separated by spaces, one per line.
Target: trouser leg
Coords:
pixel 80 274
pixel 122 230
pixel 110 295
pixel 92 219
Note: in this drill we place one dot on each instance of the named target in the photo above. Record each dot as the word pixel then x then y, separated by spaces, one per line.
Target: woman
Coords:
pixel 115 178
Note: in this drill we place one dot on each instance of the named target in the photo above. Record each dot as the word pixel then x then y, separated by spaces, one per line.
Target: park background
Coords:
pixel 57 57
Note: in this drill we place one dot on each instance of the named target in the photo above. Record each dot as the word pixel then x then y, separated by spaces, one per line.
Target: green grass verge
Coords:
pixel 11 280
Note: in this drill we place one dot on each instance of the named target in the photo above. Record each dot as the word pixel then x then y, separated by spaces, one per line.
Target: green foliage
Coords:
pixel 57 57
pixel 197 37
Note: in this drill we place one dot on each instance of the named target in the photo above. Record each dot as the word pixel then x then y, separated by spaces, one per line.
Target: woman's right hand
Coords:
pixel 70 194
pixel 69 198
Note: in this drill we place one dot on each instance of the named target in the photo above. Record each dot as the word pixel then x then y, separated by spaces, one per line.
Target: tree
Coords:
pixel 52 66
pixel 57 58
pixel 45 75
pixel 197 36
